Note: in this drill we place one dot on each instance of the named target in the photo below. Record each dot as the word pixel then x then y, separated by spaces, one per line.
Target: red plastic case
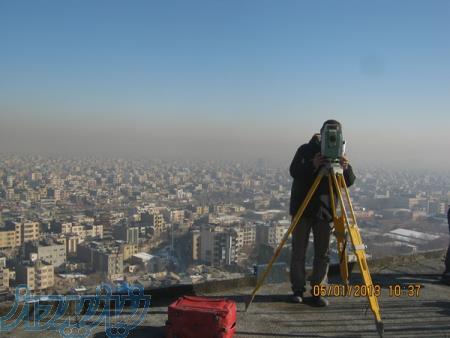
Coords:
pixel 201 317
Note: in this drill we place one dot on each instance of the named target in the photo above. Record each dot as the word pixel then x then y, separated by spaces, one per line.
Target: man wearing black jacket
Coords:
pixel 446 276
pixel 317 216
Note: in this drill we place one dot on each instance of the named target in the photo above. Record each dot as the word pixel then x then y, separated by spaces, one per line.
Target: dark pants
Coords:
pixel 300 237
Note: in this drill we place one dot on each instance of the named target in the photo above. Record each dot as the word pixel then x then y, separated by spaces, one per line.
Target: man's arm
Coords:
pixel 300 166
pixel 349 176
pixel 448 219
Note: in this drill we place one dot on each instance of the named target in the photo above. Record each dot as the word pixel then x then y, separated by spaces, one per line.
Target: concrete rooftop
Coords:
pixel 271 314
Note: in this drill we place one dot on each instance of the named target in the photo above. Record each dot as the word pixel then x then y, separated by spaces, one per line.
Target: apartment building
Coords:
pixel 128 250
pixel 29 231
pixel 4 274
pixel 81 231
pixel 10 236
pixel 154 220
pixel 127 233
pixel 37 275
pixel 14 234
pixel 4 278
pixel 272 233
pixel 71 241
pixel 245 235
pixel 49 250
pixel 104 257
pixel 217 245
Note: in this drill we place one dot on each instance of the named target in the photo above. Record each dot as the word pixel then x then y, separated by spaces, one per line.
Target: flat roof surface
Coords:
pixel 272 315
pixel 414 234
pixel 143 255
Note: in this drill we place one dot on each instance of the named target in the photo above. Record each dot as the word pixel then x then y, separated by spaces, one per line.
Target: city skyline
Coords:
pixel 226 81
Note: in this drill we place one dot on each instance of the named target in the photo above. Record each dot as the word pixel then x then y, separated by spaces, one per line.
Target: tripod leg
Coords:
pixel 340 234
pixel 294 223
pixel 359 247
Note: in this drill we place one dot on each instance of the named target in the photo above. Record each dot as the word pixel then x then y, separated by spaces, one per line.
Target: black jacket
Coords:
pixel 448 219
pixel 302 170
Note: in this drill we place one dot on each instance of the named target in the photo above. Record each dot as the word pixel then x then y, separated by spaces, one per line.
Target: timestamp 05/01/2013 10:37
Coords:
pixel 361 290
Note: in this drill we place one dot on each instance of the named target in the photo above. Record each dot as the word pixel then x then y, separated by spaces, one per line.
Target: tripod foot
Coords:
pixel 380 328
pixel 248 301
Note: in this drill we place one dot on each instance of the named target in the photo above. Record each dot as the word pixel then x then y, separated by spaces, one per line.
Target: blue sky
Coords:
pixel 260 72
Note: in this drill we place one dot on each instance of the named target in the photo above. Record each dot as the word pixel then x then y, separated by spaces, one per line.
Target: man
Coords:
pixel 317 216
pixel 446 275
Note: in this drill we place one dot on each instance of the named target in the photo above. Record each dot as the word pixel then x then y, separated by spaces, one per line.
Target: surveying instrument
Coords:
pixel 332 147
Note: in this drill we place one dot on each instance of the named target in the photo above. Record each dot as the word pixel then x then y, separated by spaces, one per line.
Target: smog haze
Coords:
pixel 236 80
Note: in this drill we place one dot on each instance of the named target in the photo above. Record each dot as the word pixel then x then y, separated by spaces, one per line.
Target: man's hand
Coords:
pixel 344 162
pixel 319 160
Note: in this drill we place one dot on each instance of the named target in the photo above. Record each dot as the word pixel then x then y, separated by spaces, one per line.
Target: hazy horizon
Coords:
pixel 236 80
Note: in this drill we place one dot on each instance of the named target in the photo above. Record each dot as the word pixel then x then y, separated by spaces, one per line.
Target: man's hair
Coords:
pixel 329 122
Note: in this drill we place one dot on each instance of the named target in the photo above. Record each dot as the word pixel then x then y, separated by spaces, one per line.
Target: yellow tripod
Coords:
pixel 343 226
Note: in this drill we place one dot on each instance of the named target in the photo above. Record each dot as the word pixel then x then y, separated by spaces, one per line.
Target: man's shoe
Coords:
pixel 297 297
pixel 445 279
pixel 319 301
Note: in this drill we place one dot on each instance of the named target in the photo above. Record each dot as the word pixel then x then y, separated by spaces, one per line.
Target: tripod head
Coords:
pixel 332 166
